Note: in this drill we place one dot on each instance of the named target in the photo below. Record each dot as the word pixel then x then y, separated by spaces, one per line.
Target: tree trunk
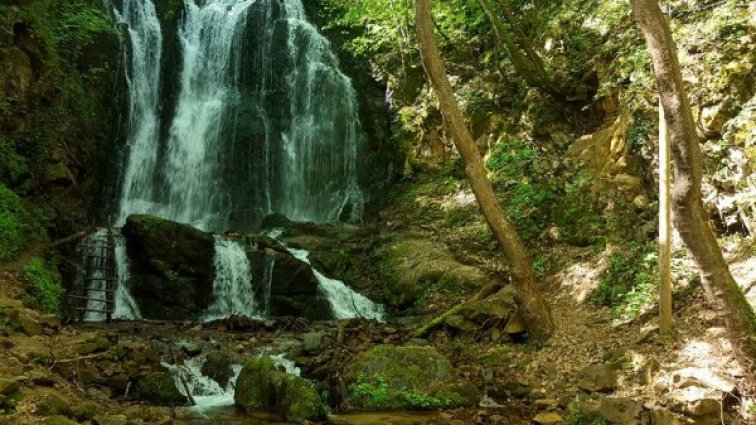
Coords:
pixel 665 229
pixel 690 218
pixel 533 307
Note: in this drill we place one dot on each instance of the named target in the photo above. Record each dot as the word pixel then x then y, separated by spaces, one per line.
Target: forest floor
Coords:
pixel 591 358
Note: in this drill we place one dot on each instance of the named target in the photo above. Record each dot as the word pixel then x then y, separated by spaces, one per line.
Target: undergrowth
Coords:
pixel 46 284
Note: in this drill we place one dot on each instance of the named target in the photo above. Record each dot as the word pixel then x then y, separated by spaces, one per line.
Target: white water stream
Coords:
pixel 232 285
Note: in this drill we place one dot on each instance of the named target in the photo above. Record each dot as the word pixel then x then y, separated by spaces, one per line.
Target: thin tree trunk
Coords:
pixel 690 218
pixel 665 229
pixel 534 309
pixel 529 68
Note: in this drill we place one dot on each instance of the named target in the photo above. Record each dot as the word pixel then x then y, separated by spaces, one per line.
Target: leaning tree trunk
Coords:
pixel 533 307
pixel 690 218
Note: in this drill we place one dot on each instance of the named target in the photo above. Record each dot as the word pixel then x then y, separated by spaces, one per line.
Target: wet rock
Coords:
pixel 262 387
pixel 110 420
pixel 171 267
pixel 60 420
pixel 597 378
pixel 52 404
pixel 294 289
pixel 405 378
pixel 85 411
pixel 92 343
pixel 548 418
pixel 311 341
pixel 8 386
pixel 218 367
pixel 191 348
pixel 29 325
pixel 621 410
pixel 158 388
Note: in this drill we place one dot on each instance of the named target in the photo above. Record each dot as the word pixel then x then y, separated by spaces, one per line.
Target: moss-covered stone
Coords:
pixel 262 387
pixel 159 388
pixel 415 265
pixel 52 404
pixel 405 378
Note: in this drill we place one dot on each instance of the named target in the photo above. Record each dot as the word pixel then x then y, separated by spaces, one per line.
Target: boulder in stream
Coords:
pixel 262 387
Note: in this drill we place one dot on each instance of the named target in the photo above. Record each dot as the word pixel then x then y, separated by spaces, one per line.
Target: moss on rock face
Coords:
pixel 415 265
pixel 262 387
pixel 159 388
pixel 19 227
pixel 406 378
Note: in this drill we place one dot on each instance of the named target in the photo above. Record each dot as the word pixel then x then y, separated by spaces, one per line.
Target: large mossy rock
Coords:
pixel 159 388
pixel 415 265
pixel 406 378
pixel 171 267
pixel 262 387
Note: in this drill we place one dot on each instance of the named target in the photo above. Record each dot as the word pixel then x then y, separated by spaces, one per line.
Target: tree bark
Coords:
pixel 533 307
pixel 690 218
pixel 665 228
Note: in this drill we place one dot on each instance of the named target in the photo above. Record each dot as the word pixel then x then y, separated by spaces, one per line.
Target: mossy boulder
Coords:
pixel 262 387
pixel 416 264
pixel 406 378
pixel 158 388
pixel 171 267
pixel 52 404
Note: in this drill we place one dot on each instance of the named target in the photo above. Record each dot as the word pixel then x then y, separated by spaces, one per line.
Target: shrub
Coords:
pixel 19 227
pixel 628 285
pixel 46 284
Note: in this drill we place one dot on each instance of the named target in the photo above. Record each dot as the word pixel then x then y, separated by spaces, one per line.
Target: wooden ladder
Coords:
pixel 97 289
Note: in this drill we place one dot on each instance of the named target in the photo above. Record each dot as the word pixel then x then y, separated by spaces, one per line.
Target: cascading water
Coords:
pixel 206 392
pixel 264 121
pixel 142 62
pixel 345 302
pixel 124 307
pixel 232 289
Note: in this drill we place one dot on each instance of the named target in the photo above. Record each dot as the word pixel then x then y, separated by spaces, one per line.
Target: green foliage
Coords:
pixel 15 166
pixel 19 225
pixel 512 163
pixel 82 23
pixel 629 284
pixel 371 392
pixel 46 284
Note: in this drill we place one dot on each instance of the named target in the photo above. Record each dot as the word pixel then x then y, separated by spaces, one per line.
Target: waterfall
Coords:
pixel 270 262
pixel 232 285
pixel 211 41
pixel 345 302
pixel 264 121
pixel 205 391
pixel 95 258
pixel 125 307
pixel 142 63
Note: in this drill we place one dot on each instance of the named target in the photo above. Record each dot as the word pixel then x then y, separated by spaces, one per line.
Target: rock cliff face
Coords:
pixel 59 105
